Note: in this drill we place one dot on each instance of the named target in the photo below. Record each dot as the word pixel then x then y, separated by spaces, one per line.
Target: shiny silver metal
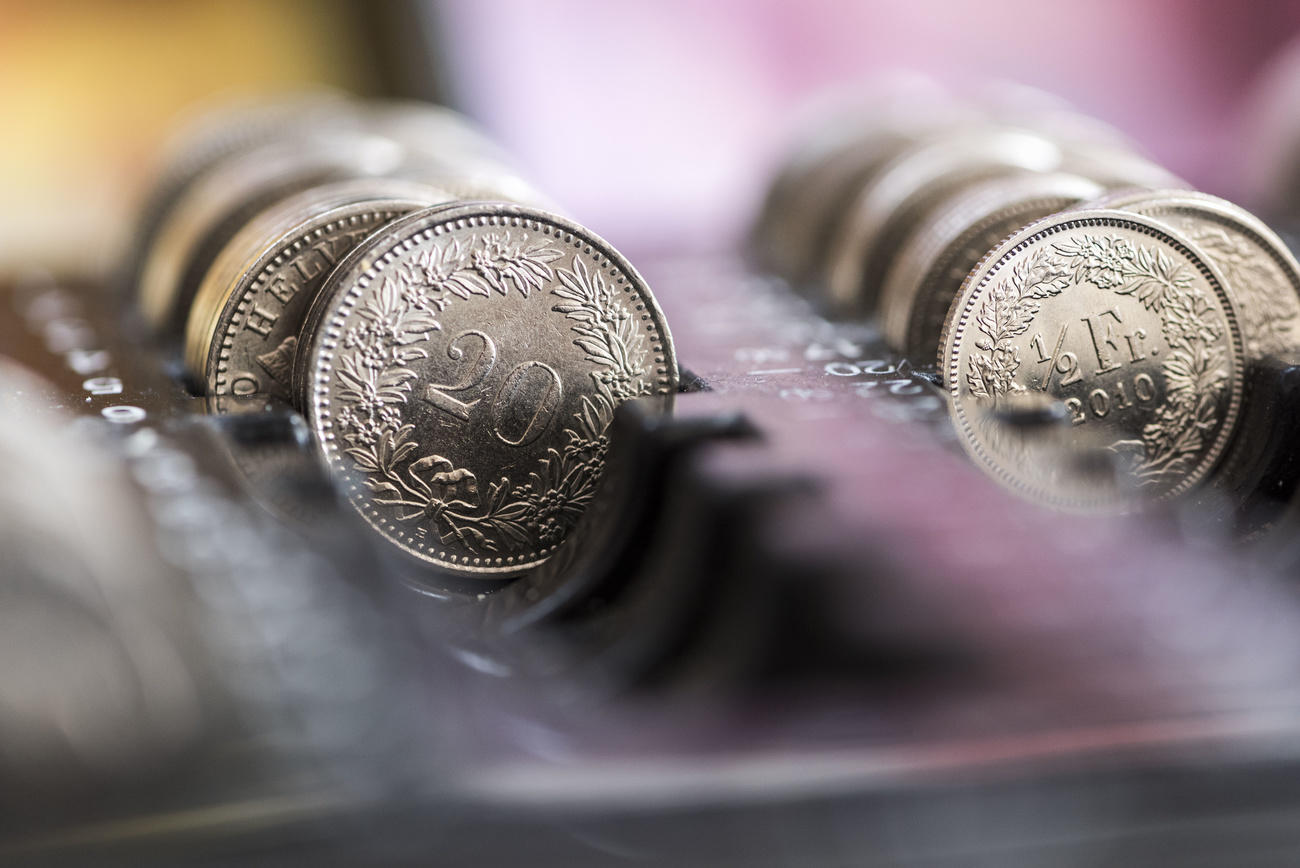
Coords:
pixel 459 371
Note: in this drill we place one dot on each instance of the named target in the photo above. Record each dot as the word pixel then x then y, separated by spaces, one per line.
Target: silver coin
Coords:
pixel 932 263
pixel 887 209
pixel 461 369
pixel 1262 274
pixel 437 133
pixel 446 151
pixel 817 182
pixel 1122 323
pixel 223 200
pixel 1022 106
pixel 798 217
pixel 1117 168
pixel 243 329
pixel 214 135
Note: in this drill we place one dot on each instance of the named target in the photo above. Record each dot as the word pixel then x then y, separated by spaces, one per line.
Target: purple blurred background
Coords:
pixel 655 121
pixel 658 121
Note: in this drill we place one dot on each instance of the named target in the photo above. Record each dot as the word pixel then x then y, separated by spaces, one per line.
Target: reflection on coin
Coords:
pixel 1123 323
pixel 243 329
pixel 933 262
pixel 1262 275
pixel 887 209
pixel 462 366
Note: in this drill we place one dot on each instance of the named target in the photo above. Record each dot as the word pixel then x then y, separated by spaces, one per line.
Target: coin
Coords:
pixel 1120 321
pixel 1014 104
pixel 443 149
pixel 888 208
pixel 439 133
pixel 820 177
pixel 933 262
pixel 216 134
pixel 243 329
pixel 223 200
pixel 473 184
pixel 459 371
pixel 1117 168
pixel 801 210
pixel 1263 276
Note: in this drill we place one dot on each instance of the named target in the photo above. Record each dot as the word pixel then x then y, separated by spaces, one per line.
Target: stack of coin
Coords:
pixel 862 185
pixel 457 347
pixel 1095 322
pixel 1149 317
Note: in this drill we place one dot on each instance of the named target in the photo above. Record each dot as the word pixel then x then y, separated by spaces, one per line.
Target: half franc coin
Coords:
pixel 1122 324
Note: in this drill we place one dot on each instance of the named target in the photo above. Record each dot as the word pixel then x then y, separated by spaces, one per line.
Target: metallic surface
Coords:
pixel 214 136
pixel 428 147
pixel 220 203
pixel 1126 325
pixel 1116 167
pixel 221 133
pixel 459 371
pixel 1263 277
pixel 888 208
pixel 244 324
pixel 820 177
pixel 1032 705
pixel 932 263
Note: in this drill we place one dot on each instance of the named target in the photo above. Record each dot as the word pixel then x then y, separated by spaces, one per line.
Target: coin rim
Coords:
pixel 967 214
pixel 231 316
pixel 930 167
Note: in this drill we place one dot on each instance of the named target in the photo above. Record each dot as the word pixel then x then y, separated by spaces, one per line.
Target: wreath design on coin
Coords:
pixel 377 381
pixel 1193 370
pixel 1265 322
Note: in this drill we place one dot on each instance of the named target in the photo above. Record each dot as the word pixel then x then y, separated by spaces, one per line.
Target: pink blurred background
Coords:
pixel 657 121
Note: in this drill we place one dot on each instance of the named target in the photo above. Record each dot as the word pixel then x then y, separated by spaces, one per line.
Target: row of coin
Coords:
pixel 381 269
pixel 1102 292
pixel 875 179
pixel 1149 318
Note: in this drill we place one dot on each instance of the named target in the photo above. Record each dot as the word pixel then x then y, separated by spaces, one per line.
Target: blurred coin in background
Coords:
pixel 842 144
pixel 934 260
pixel 890 206
pixel 213 134
pixel 219 204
